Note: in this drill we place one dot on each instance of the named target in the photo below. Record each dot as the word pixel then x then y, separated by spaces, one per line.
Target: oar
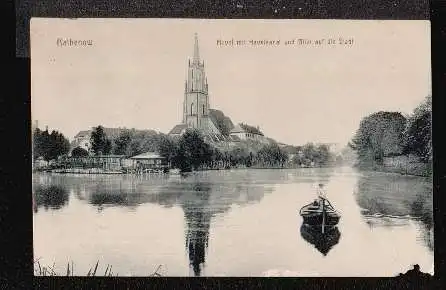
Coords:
pixel 323 215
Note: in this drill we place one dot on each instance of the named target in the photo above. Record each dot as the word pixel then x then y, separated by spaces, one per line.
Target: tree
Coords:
pixel 168 148
pixel 417 133
pixel 49 146
pixel 223 123
pixel 122 142
pixel 39 143
pixel 324 156
pixel 251 129
pixel 141 142
pixel 79 152
pixel 271 155
pixel 192 152
pixel 100 144
pixel 239 155
pixel 379 135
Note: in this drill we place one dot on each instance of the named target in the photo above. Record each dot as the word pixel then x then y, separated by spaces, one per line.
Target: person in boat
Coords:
pixel 321 195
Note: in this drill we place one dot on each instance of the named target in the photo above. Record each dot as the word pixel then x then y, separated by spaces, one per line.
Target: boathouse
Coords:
pixel 149 161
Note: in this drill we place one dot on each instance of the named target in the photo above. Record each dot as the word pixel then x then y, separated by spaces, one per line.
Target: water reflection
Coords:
pixel 201 196
pixel 323 242
pixel 49 197
pixel 391 200
pixel 198 221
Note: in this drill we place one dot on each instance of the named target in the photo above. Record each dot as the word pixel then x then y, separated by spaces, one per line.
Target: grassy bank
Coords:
pixel 45 270
pixel 402 164
pixel 422 170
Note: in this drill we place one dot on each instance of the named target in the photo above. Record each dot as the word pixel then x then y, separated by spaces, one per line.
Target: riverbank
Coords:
pixel 172 171
pixel 421 171
pixel 403 164
pixel 85 171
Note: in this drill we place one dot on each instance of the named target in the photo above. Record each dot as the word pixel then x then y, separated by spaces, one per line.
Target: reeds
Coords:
pixel 40 270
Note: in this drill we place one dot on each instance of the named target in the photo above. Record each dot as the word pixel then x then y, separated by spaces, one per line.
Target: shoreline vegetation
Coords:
pixel 41 270
pixel 188 152
pixel 396 143
pixel 385 142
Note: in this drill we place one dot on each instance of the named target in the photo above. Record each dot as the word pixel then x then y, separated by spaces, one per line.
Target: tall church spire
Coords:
pixel 196 51
pixel 196 99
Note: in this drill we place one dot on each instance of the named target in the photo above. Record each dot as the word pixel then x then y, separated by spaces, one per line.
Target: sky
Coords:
pixel 133 73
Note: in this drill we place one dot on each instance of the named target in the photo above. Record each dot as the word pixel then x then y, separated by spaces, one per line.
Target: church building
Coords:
pixel 196 100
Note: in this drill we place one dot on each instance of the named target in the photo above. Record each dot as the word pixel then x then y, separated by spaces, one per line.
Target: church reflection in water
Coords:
pixel 201 196
pixel 323 242
pixel 198 219
pixel 200 203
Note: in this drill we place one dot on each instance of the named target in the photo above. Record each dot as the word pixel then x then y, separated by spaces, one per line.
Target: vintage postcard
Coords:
pixel 242 148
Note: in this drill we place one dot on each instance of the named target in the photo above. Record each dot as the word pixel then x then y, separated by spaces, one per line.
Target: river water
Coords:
pixel 232 223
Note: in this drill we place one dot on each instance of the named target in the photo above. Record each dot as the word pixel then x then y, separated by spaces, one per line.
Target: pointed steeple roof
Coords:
pixel 196 58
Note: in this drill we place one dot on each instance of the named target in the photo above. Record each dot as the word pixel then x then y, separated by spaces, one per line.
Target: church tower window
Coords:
pixel 203 109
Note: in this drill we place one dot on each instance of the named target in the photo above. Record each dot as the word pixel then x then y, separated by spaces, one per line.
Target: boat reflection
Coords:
pixel 322 242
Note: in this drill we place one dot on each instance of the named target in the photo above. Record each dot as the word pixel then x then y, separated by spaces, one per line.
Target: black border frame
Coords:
pixel 16 219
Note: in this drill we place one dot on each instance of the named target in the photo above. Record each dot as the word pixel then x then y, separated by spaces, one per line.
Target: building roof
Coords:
pixel 147 155
pixel 111 132
pixel 83 133
pixel 178 129
pixel 237 129
pixel 105 156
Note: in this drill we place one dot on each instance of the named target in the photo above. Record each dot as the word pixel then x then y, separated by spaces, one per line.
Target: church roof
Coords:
pixel 178 129
pixel 238 129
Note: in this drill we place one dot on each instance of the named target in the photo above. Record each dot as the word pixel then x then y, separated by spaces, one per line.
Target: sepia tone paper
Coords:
pixel 299 81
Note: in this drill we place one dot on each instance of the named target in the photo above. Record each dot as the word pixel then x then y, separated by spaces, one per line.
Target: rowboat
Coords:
pixel 320 214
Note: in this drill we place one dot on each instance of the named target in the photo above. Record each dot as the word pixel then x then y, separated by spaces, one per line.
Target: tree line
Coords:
pixel 49 146
pixel 188 152
pixel 386 134
pixel 191 152
pixel 129 143
pixel 251 129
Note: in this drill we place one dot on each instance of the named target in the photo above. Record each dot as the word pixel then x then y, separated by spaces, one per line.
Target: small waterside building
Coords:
pixel 40 163
pixel 149 161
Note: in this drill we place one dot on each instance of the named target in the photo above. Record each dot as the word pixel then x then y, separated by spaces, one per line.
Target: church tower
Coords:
pixel 196 98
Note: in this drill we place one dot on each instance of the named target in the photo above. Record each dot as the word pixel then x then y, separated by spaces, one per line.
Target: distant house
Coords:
pixel 238 132
pixel 82 139
pixel 149 160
